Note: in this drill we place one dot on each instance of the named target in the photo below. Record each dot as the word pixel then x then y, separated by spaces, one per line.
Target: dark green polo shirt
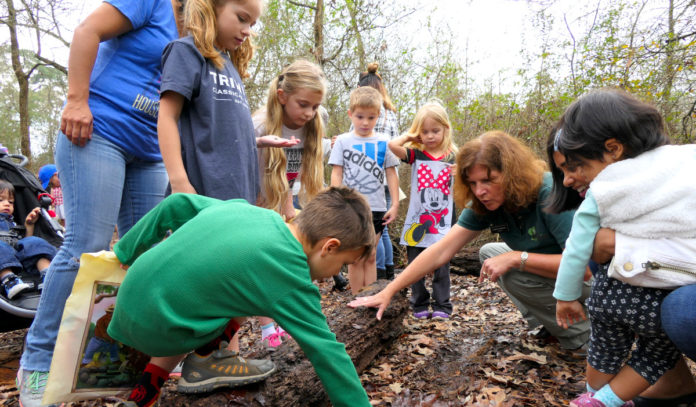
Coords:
pixel 531 229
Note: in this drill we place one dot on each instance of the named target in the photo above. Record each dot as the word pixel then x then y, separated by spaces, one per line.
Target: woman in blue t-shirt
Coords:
pixel 107 154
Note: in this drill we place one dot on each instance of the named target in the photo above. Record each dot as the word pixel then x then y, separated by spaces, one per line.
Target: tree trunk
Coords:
pixel 295 382
pixel 22 81
pixel 319 33
pixel 352 9
pixel 672 43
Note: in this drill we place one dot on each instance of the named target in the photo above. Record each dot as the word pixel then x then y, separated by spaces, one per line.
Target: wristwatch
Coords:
pixel 523 260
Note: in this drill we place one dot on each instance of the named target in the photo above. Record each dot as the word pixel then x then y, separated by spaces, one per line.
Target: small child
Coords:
pixel 30 254
pixel 48 175
pixel 229 259
pixel 610 146
pixel 387 123
pixel 361 160
pixel 429 149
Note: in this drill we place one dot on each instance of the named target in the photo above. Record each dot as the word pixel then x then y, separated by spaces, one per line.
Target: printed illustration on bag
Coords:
pixel 105 362
pixel 429 215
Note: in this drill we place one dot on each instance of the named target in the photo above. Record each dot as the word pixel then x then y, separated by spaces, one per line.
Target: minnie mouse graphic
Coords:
pixel 434 193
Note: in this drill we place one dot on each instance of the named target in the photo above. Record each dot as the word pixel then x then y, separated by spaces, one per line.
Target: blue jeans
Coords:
pixel 25 255
pixel 385 251
pixel 102 186
pixel 679 319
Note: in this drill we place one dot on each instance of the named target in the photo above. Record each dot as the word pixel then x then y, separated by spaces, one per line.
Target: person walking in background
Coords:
pixel 107 154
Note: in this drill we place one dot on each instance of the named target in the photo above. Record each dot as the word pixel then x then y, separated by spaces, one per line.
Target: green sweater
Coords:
pixel 225 259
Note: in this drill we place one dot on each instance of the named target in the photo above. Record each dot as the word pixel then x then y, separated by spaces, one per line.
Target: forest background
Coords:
pixel 647 47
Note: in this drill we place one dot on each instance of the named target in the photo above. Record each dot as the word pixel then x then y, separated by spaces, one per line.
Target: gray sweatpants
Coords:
pixel 533 297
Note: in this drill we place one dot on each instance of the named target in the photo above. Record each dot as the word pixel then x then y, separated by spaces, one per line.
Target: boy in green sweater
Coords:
pixel 226 260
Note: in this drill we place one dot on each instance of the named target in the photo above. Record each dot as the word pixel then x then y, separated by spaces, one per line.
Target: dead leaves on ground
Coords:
pixel 482 356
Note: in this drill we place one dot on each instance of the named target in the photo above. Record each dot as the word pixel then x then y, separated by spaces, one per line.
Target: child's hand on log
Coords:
pixel 380 300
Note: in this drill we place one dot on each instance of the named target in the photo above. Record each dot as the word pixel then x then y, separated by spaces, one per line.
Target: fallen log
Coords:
pixel 295 383
pixel 466 261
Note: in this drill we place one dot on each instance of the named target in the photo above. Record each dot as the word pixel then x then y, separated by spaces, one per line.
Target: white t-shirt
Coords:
pixel 364 160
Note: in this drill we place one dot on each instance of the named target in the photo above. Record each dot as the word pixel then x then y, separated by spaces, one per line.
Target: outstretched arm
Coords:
pixel 432 258
pixel 275 141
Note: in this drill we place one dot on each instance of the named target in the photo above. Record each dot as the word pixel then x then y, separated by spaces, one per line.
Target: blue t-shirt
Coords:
pixel 124 86
pixel 218 144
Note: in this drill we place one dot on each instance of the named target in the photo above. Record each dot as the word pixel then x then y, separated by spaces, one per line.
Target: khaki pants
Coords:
pixel 533 297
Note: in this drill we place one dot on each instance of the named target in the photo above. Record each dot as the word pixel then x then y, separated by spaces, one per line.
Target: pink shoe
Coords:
pixel 272 341
pixel 586 400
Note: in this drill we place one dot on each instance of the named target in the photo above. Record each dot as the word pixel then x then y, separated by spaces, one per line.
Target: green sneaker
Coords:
pixel 222 368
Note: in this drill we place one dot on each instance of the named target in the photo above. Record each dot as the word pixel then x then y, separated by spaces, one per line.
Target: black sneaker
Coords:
pixel 390 272
pixel 222 368
pixel 340 282
pixel 13 285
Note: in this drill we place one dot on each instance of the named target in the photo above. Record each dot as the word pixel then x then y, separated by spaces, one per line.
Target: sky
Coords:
pixel 490 31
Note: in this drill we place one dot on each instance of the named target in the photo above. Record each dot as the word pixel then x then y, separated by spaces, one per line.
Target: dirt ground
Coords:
pixel 483 356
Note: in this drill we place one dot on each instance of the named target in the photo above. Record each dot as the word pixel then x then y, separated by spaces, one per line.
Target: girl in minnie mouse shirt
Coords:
pixel 429 148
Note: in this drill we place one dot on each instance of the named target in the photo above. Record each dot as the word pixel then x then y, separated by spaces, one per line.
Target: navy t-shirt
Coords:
pixel 217 134
pixel 124 84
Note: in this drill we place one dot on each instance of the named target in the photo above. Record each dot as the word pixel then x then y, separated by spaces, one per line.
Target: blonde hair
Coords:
pixel 522 172
pixel 373 79
pixel 366 97
pixel 300 74
pixel 200 20
pixel 434 111
pixel 341 213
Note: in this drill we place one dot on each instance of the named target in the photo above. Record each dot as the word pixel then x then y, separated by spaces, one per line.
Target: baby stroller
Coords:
pixel 28 195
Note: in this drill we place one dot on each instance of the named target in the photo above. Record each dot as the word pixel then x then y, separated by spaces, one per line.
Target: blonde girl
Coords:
pixel 294 98
pixel 429 149
pixel 205 130
pixel 291 113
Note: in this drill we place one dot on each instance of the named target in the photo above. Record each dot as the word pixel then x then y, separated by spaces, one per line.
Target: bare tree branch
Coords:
pixel 48 62
pixel 297 3
pixel 572 55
